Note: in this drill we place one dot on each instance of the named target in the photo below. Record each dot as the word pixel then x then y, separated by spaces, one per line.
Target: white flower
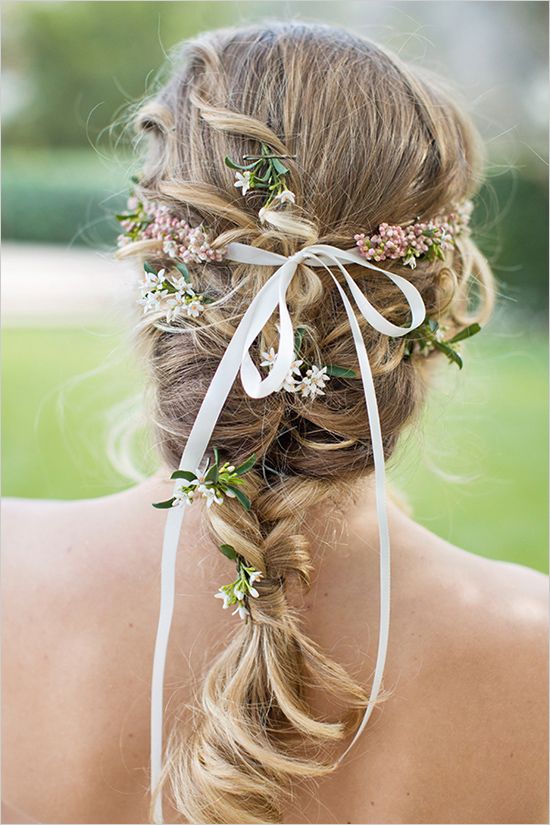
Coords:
pixel 185 491
pixel 170 248
pixel 194 308
pixel 286 196
pixel 255 576
pixel 175 302
pixel 182 286
pixel 151 300
pixel 221 594
pixel 289 384
pixel 153 281
pixel 439 334
pixel 253 592
pixel 314 382
pixel 210 495
pixel 269 358
pixel 243 181
pixel 238 594
pixel 241 610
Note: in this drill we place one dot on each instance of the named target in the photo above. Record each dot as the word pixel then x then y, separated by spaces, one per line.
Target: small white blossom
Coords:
pixel 170 248
pixel 289 384
pixel 183 286
pixel 153 281
pixel 185 491
pixel 243 181
pixel 295 366
pixel 268 358
pixel 238 594
pixel 194 309
pixel 221 594
pixel 255 576
pixel 210 495
pixel 253 592
pixel 150 301
pixel 286 196
pixel 175 303
pixel 242 611
pixel 314 382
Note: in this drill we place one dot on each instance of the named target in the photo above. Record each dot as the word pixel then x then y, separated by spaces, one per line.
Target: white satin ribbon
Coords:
pixel 237 358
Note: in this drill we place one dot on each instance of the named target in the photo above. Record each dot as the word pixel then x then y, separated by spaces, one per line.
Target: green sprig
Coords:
pixel 426 338
pixel 220 479
pixel 266 171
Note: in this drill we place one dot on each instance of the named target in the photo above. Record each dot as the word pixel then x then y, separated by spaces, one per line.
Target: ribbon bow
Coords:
pixel 237 358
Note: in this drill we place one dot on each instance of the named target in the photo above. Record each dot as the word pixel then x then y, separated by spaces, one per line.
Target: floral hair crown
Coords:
pixel 169 290
pixel 172 291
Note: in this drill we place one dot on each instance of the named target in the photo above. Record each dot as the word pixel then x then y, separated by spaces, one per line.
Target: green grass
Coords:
pixel 475 471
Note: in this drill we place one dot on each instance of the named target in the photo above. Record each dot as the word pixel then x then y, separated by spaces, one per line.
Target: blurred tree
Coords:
pixel 59 52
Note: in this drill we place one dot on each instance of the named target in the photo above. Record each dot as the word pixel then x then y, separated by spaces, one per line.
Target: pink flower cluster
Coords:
pixel 412 241
pixel 146 220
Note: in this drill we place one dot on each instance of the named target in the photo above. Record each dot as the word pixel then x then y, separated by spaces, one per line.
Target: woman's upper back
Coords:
pixel 461 737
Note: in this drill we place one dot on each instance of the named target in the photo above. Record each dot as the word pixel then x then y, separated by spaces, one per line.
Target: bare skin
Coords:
pixel 461 739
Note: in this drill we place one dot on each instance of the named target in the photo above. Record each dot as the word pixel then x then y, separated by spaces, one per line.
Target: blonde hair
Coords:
pixel 375 141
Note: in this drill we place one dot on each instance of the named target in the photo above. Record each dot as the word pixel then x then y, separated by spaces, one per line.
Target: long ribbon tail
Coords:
pixel 167 593
pixel 383 528
pixel 380 494
pixel 252 322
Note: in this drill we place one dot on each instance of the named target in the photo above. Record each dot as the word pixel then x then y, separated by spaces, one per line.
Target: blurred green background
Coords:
pixel 476 472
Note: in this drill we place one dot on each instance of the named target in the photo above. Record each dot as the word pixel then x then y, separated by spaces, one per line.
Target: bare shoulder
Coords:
pixel 482 690
pixel 77 616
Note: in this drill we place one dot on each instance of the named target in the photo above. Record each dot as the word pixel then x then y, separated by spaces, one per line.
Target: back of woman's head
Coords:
pixel 371 141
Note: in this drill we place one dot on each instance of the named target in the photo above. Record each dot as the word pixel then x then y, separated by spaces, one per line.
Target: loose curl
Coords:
pixel 375 140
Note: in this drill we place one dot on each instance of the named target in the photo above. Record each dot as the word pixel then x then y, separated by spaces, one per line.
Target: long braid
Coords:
pixel 253 707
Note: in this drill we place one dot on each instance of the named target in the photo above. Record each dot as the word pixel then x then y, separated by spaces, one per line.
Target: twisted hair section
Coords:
pixel 374 141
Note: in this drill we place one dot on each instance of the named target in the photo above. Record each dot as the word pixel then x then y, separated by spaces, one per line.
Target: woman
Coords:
pixel 282 137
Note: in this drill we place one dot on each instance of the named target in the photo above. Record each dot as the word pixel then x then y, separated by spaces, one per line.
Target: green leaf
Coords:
pixel 280 168
pixel 299 333
pixel 240 496
pixel 340 372
pixel 134 179
pixel 216 456
pixel 182 269
pixel 229 551
pixel 231 163
pixel 465 333
pixel 240 166
pixel 186 474
pixel 124 216
pixel 212 474
pixel 246 465
pixel 164 505
pixel 451 354
pixel 148 268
